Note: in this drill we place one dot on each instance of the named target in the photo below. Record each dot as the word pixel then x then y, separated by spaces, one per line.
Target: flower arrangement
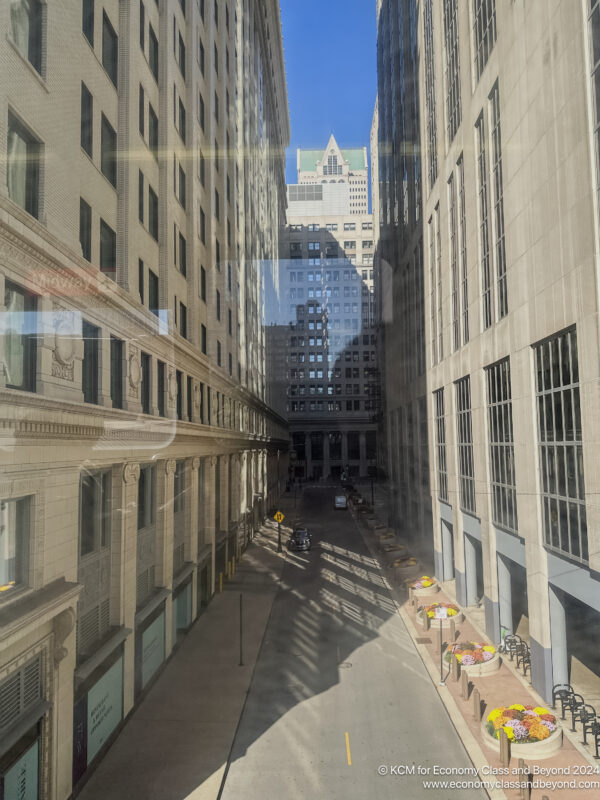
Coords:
pixel 441 610
pixel 424 582
pixel 522 724
pixel 468 653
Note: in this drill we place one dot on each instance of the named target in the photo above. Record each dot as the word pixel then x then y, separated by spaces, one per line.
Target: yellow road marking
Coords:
pixel 348 750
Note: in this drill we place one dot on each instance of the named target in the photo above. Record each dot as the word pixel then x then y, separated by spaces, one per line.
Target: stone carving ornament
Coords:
pixel 172 386
pixel 135 370
pixel 63 625
pixel 170 466
pixel 131 472
pixel 63 354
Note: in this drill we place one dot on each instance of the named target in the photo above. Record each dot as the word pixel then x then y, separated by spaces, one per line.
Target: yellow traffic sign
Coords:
pixel 279 517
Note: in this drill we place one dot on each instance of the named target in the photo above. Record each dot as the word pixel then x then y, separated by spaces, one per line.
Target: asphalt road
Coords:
pixel 339 689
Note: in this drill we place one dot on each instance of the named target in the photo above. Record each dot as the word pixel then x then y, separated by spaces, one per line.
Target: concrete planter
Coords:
pixel 426 591
pixel 537 750
pixel 435 623
pixel 483 669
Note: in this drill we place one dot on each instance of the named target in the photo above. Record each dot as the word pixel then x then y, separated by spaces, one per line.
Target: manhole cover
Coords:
pixel 345 665
pixel 422 640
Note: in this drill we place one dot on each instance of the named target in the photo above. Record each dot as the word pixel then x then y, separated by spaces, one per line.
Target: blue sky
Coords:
pixel 331 69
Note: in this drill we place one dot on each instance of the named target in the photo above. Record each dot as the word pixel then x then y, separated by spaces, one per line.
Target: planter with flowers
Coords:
pixel 424 585
pixel 475 658
pixel 440 611
pixel 532 730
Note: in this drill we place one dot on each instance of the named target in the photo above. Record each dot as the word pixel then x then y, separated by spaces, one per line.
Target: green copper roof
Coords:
pixel 309 158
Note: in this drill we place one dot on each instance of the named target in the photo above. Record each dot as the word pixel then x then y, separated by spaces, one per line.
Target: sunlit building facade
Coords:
pixel 396 181
pixel 141 190
pixel 509 123
pixel 327 311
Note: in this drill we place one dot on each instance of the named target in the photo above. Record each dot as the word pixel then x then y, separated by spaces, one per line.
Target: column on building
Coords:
pixel 124 539
pixel 344 449
pixel 308 455
pixel 326 459
pixel 209 513
pixel 362 444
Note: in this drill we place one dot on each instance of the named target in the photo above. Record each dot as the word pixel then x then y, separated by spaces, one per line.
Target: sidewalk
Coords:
pixel 504 687
pixel 176 744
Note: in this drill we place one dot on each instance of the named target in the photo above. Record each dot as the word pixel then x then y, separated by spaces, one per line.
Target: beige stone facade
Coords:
pixel 510 239
pixel 141 190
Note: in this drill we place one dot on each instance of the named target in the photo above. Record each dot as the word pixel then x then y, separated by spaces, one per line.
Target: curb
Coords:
pixel 469 742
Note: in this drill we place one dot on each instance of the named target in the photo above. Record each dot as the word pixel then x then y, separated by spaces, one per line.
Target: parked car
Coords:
pixel 299 540
pixel 340 502
pixel 301 530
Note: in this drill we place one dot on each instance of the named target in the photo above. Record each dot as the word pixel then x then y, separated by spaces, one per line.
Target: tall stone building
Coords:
pixel 141 190
pixel 327 305
pixel 399 266
pixel 509 121
pixel 330 166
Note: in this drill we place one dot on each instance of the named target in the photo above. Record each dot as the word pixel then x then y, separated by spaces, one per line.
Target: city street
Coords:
pixel 338 689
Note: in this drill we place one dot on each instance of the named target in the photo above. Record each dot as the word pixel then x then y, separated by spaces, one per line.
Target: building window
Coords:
pixel 153 292
pixel 181 56
pixel 146 506
pixel 203 284
pixel 561 445
pixel 453 104
pixel 108 250
pixel 498 199
pixel 153 52
pixel 484 28
pixel 85 229
pixel 179 388
pixel 182 187
pixel 430 94
pixel 502 456
pixel 161 387
pixel 91 363
pixel 110 49
pixel 108 153
pixel 116 372
pixel 26 28
pixel 453 261
pixel 153 213
pixel 152 131
pixel 87 20
pixel 484 238
pixel 201 55
pixel 183 320
pixel 19 335
pixel 141 111
pixel 23 167
pixel 15 538
pixel 463 250
pixel 189 398
pixel 141 196
pixel 203 338
pixel 218 353
pixel 466 468
pixel 182 255
pixel 218 296
pixel 201 111
pixel 141 279
pixel 145 382
pixel 440 445
pixel 181 122
pixel 93 621
pixel 87 114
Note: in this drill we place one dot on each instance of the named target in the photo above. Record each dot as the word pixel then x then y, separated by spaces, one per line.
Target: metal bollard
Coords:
pixel 454 671
pixel 464 685
pixel 504 749
pixel 476 705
